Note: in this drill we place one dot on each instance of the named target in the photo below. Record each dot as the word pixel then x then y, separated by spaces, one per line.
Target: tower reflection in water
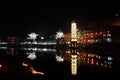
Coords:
pixel 89 59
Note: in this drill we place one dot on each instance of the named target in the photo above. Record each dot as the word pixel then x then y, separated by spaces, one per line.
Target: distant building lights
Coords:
pixel 109 39
pixel 110 58
pixel 45 49
pixel 59 34
pixel 32 35
pixel 42 37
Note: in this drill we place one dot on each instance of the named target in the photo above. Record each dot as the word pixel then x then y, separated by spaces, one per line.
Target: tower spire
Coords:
pixel 73 31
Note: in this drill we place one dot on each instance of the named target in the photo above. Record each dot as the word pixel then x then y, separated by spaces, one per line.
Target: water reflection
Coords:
pixel 40 49
pixel 44 59
pixel 95 60
pixel 83 58
pixel 31 69
pixel 86 59
pixel 31 55
pixel 89 59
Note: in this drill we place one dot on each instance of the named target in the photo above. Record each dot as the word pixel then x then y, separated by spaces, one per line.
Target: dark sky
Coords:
pixel 45 17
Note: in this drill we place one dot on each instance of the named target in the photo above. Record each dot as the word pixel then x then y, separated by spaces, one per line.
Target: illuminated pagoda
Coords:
pixel 60 37
pixel 32 36
pixel 59 34
pixel 73 48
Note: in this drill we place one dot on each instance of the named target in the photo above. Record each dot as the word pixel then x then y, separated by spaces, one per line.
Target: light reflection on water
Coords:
pixel 83 58
pixel 95 60
pixel 89 59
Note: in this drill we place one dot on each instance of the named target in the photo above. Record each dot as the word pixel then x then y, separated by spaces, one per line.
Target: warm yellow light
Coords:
pixel 74 64
pixel 73 31
pixel 24 64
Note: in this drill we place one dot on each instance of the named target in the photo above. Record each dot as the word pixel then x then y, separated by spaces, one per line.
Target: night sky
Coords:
pixel 46 18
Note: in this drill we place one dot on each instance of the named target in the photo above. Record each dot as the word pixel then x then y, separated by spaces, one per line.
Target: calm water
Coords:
pixel 92 66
